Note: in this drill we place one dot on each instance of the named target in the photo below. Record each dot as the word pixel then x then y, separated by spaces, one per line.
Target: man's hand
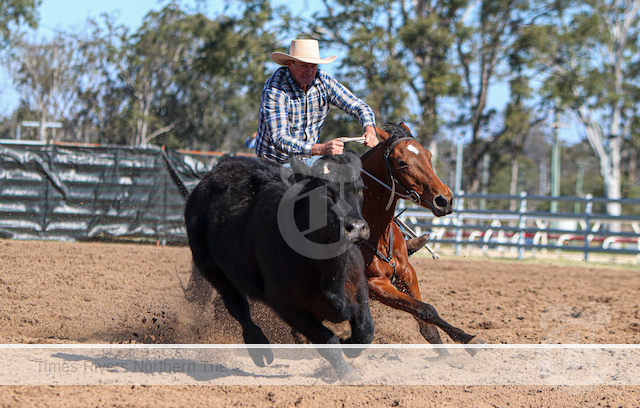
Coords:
pixel 331 147
pixel 370 138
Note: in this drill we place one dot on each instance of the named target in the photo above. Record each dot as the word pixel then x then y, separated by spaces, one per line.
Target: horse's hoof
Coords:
pixel 259 355
pixel 475 340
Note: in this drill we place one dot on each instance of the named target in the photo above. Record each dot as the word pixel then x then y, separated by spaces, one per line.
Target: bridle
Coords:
pixel 409 194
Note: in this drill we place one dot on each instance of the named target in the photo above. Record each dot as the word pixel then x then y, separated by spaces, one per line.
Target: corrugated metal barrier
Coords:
pixel 68 192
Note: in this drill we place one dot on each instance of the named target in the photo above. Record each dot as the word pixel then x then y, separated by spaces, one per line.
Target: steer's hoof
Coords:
pixel 475 340
pixel 260 355
pixel 442 352
pixel 348 375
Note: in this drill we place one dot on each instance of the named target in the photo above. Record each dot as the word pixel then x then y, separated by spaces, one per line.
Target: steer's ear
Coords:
pixel 300 170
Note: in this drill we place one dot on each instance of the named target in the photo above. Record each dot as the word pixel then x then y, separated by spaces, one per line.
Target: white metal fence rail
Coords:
pixel 527 228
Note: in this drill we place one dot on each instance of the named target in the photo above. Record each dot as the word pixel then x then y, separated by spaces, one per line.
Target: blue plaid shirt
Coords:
pixel 290 120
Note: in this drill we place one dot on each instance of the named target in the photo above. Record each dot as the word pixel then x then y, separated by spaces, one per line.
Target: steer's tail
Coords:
pixel 199 290
pixel 174 175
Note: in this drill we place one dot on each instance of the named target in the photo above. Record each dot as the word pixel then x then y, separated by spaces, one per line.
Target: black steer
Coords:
pixel 247 223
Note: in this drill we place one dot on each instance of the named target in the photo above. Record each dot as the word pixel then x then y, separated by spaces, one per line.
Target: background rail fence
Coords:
pixel 484 222
pixel 90 192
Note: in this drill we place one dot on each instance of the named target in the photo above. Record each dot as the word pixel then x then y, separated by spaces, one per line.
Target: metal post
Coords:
pixel 522 223
pixel 486 162
pixel 542 189
pixel 579 184
pixel 458 185
pixel 556 172
pixel 588 208
pixel 555 167
pixel 43 126
pixel 459 222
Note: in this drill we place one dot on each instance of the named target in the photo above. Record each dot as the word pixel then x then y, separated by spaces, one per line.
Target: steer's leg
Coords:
pixel 238 307
pixel 361 322
pixel 317 333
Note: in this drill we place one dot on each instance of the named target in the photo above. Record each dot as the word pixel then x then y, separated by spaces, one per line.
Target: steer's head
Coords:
pixel 330 204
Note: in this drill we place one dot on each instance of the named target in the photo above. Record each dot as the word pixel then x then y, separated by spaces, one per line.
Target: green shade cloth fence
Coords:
pixel 77 193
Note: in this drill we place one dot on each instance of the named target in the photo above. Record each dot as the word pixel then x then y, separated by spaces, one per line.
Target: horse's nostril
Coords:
pixel 441 201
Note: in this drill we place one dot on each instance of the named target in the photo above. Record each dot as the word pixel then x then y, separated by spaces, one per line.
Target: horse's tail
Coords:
pixel 198 290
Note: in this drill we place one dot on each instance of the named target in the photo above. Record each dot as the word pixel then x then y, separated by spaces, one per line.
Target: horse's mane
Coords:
pixel 395 131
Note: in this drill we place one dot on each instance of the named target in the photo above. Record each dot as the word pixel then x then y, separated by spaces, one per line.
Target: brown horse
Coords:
pixel 400 167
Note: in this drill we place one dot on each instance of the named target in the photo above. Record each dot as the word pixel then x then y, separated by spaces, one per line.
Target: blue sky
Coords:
pixel 72 15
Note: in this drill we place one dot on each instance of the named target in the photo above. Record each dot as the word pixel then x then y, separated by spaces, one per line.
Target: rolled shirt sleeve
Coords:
pixel 342 98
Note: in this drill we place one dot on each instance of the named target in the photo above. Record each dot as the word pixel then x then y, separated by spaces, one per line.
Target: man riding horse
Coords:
pixel 294 105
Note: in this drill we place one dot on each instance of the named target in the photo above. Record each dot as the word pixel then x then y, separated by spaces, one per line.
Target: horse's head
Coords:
pixel 410 164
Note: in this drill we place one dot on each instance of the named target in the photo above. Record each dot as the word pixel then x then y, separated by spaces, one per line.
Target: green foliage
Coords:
pixel 14 13
pixel 188 80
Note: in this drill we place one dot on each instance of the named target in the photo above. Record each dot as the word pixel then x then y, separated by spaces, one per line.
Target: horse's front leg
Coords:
pixel 408 283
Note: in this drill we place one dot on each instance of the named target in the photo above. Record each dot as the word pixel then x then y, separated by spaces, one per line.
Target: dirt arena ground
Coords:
pixel 52 292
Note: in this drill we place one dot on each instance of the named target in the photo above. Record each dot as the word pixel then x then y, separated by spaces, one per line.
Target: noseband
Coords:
pixel 409 194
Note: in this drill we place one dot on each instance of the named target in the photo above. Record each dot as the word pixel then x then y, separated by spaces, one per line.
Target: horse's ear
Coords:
pixel 405 127
pixel 300 169
pixel 382 134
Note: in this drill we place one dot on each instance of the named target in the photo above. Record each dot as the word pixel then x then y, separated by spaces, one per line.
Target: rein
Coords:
pixel 409 194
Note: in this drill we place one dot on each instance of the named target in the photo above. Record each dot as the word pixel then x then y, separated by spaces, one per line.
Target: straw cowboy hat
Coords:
pixel 304 51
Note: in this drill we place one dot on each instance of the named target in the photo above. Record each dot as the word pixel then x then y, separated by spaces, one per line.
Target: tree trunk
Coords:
pixel 513 187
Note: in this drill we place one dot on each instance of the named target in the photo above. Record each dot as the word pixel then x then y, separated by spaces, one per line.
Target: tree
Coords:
pixel 589 50
pixel 231 68
pixel 181 79
pixel 45 74
pixel 14 13
pixel 486 55
pixel 400 51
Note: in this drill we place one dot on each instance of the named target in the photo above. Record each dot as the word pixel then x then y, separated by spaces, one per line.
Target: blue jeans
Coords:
pixel 309 161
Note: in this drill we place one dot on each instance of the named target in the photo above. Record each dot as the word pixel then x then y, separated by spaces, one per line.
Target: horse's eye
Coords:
pixel 402 164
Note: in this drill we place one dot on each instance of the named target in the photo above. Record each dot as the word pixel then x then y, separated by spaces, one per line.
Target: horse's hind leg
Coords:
pixel 237 305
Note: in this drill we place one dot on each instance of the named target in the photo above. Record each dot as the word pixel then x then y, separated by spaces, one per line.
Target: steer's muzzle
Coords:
pixel 357 230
